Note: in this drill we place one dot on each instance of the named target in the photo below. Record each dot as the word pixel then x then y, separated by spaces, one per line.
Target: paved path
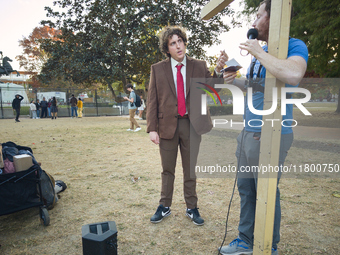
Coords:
pixel 317 132
pixel 299 131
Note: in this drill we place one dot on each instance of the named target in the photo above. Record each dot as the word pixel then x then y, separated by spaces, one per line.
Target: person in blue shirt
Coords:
pixel 132 108
pixel 290 71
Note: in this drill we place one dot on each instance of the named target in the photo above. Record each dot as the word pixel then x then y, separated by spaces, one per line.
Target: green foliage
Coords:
pixel 317 24
pixel 105 41
pixel 24 110
pixel 217 110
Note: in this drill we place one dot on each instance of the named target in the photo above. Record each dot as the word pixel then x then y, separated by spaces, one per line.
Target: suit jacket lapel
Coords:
pixel 169 75
pixel 190 69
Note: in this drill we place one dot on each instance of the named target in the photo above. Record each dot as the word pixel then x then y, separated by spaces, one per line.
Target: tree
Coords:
pixel 106 41
pixel 33 57
pixel 317 24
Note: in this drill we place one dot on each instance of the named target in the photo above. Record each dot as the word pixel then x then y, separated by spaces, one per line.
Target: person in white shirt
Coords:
pixel 33 109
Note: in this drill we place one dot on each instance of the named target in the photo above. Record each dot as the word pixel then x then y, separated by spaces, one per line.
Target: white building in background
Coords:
pixel 8 92
pixel 12 84
pixel 59 96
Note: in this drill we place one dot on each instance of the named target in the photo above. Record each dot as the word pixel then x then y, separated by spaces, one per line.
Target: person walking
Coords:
pixel 132 108
pixel 16 106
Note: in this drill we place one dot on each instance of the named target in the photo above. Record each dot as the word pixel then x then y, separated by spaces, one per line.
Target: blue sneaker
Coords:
pixel 237 247
pixel 275 252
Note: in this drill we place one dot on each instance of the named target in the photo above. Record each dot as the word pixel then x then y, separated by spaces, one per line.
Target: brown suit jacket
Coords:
pixel 162 113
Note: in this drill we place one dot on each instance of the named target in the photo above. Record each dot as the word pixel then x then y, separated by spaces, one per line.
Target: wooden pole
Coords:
pixel 271 136
pixel 214 7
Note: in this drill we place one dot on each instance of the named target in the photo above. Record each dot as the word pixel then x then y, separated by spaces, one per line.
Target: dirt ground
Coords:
pixel 114 175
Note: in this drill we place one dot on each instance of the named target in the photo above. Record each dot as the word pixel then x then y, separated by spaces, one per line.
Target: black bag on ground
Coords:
pixel 47 190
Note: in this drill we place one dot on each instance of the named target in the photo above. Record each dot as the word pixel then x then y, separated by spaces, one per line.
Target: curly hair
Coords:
pixel 167 33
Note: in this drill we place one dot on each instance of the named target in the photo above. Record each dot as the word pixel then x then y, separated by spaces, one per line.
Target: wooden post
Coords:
pixel 271 136
pixel 214 7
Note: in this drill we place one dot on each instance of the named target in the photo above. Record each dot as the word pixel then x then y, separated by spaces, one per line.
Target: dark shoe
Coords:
pixel 160 214
pixel 61 184
pixel 194 215
pixel 17 120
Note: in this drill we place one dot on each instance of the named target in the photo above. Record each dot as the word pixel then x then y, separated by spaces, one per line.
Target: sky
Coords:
pixel 20 17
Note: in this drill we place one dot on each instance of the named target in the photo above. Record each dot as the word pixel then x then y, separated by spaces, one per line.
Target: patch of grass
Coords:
pixel 98 166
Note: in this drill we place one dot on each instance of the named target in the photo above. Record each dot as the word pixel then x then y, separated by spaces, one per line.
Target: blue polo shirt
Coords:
pixel 296 47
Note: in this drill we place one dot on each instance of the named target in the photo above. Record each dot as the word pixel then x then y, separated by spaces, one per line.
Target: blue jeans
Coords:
pixel 248 155
pixel 38 113
pixel 74 109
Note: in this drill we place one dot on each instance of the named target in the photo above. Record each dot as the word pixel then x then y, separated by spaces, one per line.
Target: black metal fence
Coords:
pixel 95 102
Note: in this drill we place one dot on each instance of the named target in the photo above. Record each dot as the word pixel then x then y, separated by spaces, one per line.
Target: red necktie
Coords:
pixel 180 91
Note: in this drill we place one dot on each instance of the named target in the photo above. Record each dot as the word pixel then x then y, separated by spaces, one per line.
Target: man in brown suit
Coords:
pixel 170 123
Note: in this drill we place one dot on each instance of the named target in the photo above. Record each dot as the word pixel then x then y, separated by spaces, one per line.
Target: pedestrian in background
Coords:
pixel 16 106
pixel 38 106
pixel 43 105
pixel 141 108
pixel 73 102
pixel 80 108
pixel 49 104
pixel 33 109
pixel 54 108
pixel 132 108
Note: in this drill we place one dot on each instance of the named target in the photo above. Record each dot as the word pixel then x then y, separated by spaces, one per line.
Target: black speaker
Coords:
pixel 100 238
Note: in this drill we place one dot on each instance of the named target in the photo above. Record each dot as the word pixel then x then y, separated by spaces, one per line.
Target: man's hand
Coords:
pixel 154 137
pixel 126 98
pixel 229 77
pixel 253 47
pixel 221 61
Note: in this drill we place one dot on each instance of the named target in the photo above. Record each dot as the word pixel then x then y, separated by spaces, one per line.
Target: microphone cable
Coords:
pixel 233 192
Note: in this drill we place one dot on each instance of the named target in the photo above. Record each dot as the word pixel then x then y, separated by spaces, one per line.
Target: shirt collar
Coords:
pixel 174 62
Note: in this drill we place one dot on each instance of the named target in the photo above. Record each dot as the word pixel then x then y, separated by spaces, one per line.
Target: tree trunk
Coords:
pixel 338 108
pixel 112 91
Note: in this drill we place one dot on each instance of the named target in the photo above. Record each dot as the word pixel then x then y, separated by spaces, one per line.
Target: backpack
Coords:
pixel 138 102
pixel 47 189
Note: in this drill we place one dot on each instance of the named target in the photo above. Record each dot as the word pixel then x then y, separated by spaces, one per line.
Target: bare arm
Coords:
pixel 130 100
pixel 230 78
pixel 290 70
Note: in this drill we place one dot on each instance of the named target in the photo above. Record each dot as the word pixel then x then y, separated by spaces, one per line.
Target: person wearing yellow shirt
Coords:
pixel 80 108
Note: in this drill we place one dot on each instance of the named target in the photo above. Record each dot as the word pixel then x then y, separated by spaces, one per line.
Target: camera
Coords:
pixel 255 84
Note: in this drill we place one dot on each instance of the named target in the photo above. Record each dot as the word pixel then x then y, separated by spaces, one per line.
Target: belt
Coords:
pixel 186 116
